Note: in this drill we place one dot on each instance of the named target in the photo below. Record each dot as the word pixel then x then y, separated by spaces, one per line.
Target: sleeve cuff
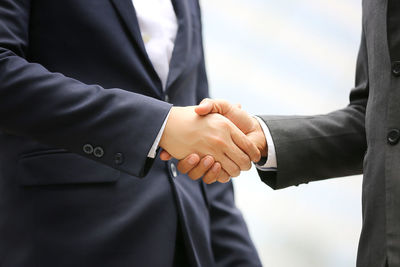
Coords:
pixel 153 150
pixel 271 163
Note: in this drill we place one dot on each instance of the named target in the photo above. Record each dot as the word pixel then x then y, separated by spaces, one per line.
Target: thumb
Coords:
pixel 220 106
pixel 205 107
pixel 165 156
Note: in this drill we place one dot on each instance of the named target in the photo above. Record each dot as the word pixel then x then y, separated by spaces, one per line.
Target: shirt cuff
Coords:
pixel 153 151
pixel 270 164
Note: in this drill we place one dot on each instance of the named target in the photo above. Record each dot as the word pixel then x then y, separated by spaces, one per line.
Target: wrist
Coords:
pixel 261 141
pixel 167 130
pixel 176 138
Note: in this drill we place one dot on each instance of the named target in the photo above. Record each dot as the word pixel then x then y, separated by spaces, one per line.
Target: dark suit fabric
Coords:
pixel 74 73
pixel 361 138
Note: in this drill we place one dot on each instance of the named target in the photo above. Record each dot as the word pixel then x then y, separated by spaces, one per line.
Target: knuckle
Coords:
pixel 247 166
pixel 226 124
pixel 247 145
pixel 257 155
pixel 222 123
pixel 245 162
pixel 253 149
pixel 218 141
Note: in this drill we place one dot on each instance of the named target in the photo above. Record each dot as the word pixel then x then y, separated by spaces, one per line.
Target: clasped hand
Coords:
pixel 215 140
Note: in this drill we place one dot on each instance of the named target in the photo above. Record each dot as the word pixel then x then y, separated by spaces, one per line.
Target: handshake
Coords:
pixel 214 140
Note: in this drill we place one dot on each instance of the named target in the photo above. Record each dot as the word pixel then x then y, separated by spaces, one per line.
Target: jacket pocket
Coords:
pixel 57 167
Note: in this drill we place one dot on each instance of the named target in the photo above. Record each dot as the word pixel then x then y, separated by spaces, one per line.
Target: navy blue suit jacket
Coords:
pixel 80 107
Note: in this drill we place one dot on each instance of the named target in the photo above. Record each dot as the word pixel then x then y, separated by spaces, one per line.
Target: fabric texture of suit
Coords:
pixel 361 138
pixel 80 107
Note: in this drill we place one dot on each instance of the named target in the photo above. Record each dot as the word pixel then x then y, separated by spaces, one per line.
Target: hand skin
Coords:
pixel 211 137
pixel 212 172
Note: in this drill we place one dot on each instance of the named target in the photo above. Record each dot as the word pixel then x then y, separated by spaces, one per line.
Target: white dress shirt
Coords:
pixel 270 164
pixel 158 25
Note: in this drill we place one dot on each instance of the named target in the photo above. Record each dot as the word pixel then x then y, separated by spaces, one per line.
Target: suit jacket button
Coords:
pixel 174 171
pixel 88 149
pixel 396 68
pixel 98 152
pixel 118 158
pixel 393 136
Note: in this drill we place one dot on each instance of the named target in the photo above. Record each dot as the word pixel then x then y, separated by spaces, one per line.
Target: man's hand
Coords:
pixel 211 171
pixel 247 124
pixel 213 137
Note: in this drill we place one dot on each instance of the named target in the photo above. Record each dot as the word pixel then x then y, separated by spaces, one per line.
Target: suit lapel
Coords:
pixel 127 14
pixel 182 41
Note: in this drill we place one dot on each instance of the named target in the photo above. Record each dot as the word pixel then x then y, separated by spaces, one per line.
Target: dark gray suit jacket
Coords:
pixel 361 138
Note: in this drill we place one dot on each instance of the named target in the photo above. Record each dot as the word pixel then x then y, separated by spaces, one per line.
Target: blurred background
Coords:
pixel 290 57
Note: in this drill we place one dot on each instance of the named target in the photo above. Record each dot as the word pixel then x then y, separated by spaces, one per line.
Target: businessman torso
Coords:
pixel 71 153
pixel 360 138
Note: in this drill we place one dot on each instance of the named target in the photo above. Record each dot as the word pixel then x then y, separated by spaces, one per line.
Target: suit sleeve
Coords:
pixel 230 239
pixel 66 113
pixel 311 148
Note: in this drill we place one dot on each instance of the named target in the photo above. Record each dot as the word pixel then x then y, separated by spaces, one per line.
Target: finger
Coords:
pixel 236 153
pixel 233 112
pixel 223 177
pixel 229 166
pixel 240 158
pixel 241 119
pixel 244 143
pixel 211 176
pixel 205 107
pixel 205 164
pixel 165 156
pixel 188 163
